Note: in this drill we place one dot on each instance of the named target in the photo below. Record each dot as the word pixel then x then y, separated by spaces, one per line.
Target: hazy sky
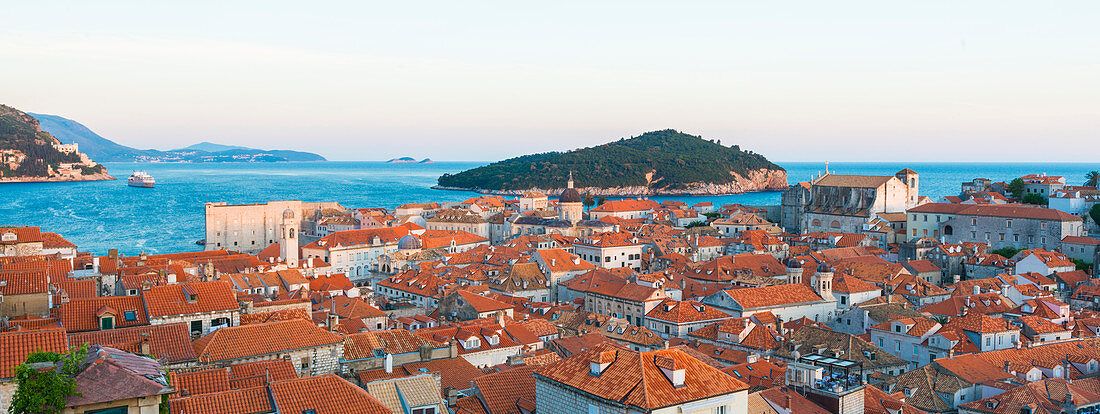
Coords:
pixel 471 80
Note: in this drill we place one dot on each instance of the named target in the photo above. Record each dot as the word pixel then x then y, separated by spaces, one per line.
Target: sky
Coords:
pixel 483 80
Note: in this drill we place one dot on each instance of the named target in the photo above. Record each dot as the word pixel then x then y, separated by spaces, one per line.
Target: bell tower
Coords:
pixel 288 238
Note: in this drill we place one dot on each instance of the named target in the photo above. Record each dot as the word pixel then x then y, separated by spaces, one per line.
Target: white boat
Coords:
pixel 141 179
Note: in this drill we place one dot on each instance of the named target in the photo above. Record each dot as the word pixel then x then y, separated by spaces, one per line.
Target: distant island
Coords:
pixel 29 154
pixel 69 131
pixel 409 160
pixel 666 162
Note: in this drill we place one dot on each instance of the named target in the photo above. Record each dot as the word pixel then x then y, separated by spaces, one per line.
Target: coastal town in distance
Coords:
pixel 597 207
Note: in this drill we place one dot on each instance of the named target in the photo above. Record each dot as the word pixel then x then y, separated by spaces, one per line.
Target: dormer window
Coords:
pixel 107 322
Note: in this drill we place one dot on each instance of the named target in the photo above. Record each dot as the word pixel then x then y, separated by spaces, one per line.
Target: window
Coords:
pixel 719 410
pixel 196 326
pixel 130 316
pixel 107 322
pixel 426 410
pixel 592 409
pixel 305 363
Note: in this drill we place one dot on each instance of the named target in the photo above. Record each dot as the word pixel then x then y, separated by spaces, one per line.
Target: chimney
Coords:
pixel 389 364
pixel 1008 366
pixel 146 344
pixel 452 396
pixel 333 320
pixel 500 318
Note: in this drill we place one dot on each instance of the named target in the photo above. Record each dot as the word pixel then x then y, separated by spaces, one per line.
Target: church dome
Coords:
pixel 570 195
pixel 288 214
pixel 408 242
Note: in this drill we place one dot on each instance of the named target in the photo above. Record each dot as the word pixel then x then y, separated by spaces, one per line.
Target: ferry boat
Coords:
pixel 141 179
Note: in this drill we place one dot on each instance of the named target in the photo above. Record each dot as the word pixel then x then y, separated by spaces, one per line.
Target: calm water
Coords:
pixel 101 215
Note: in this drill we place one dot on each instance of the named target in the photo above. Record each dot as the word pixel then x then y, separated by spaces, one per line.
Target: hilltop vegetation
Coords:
pixel 28 151
pixel 69 131
pixel 663 160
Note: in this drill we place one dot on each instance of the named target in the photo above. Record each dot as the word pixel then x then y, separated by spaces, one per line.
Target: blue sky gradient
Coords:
pixel 794 80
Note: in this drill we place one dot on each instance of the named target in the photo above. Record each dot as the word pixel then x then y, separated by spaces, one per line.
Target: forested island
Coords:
pixel 658 162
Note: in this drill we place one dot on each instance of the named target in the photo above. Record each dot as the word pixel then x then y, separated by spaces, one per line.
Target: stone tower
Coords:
pixel 570 204
pixel 912 181
pixel 288 238
pixel 794 271
pixel 822 282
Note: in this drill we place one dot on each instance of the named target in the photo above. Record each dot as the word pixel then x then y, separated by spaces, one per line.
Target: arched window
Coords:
pixel 835 224
pixel 948 230
pixel 817 223
pixel 292 232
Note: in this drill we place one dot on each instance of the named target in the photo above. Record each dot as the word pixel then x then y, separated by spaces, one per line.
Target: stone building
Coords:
pixel 998 226
pixel 204 306
pixel 313 350
pixel 388 349
pixel 844 203
pixel 460 220
pixel 247 228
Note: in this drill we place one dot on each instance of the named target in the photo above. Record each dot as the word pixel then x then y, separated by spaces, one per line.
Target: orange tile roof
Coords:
pixel 249 400
pixel 236 376
pixel 80 314
pixel 394 341
pixel 625 205
pixel 325 394
pixel 635 379
pixel 385 235
pixel 168 342
pixel 481 303
pixel 776 295
pixel 23 282
pixel 503 391
pixel 172 300
pixel 996 210
pixel 272 316
pixel 237 342
pixel 16 346
pixel 688 311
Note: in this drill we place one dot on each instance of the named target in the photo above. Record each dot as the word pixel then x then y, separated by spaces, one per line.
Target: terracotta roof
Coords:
pixel 635 379
pixel 559 260
pixel 170 342
pixel 385 235
pixel 237 342
pixel 81 314
pixel 1044 396
pixel 172 300
pixel 777 295
pixel 995 210
pixel 324 394
pixel 16 346
pixel 1080 240
pixel 624 205
pixel 503 392
pixel 234 377
pixel 23 282
pixel 395 341
pixel 689 311
pixel 481 303
pixel 273 316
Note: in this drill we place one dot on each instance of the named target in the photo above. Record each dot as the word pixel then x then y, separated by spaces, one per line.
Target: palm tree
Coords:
pixel 1092 179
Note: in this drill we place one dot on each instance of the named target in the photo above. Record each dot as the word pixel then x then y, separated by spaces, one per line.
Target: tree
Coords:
pixel 1006 252
pixel 1092 179
pixel 600 201
pixel 1095 213
pixel 1034 199
pixel 45 391
pixel 589 201
pixel 1016 187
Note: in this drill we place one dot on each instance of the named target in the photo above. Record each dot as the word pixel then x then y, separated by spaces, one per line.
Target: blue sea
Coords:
pixel 169 218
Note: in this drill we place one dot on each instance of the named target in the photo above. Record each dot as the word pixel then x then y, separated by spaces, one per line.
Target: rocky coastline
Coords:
pixel 757 180
pixel 58 179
